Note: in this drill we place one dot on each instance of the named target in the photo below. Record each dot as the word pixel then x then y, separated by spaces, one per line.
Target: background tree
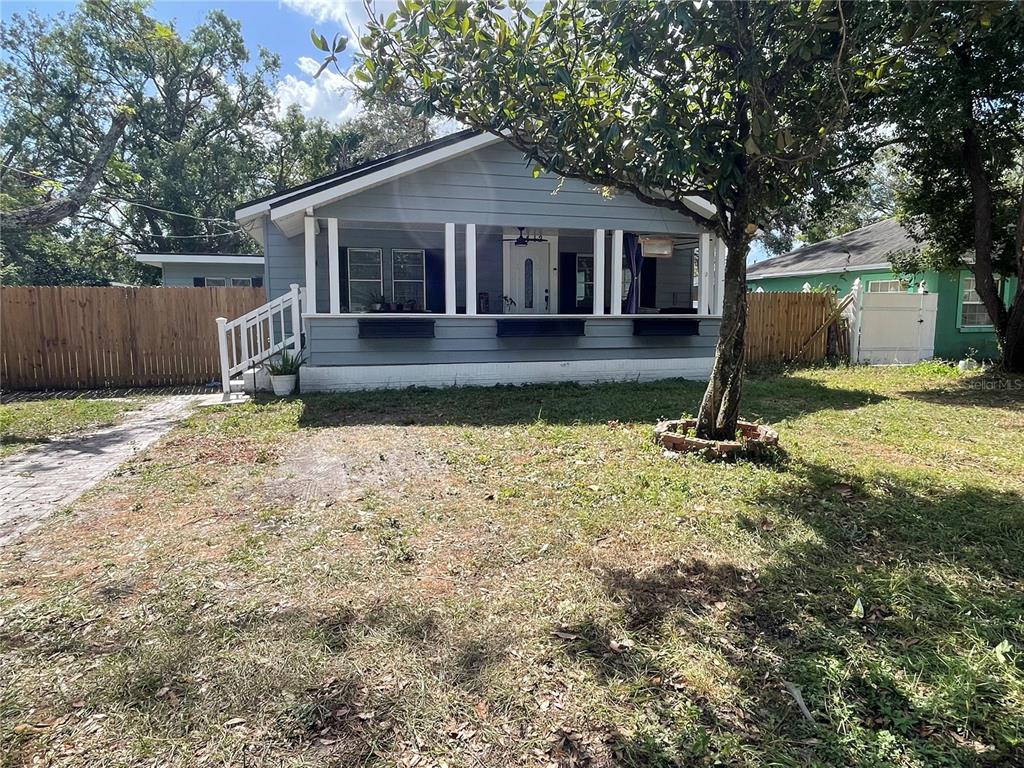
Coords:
pixel 204 134
pixel 731 102
pixel 950 123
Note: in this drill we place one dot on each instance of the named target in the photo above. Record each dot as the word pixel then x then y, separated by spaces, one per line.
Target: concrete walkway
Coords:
pixel 39 482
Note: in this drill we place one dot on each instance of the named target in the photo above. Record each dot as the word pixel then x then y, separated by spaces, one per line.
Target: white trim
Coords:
pixel 598 272
pixel 829 271
pixel 309 226
pixel 158 259
pixel 471 297
pixel 450 298
pixel 720 257
pixel 704 285
pixel 340 378
pixel 333 269
pixel 615 307
pixel 341 189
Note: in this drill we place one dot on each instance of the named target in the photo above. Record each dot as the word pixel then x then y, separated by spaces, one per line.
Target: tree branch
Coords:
pixel 49 213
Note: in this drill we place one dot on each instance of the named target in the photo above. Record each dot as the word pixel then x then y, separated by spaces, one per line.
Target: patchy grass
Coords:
pixel 515 577
pixel 30 423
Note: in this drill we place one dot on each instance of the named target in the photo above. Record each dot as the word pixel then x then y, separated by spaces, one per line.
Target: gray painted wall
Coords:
pixel 495 186
pixel 335 341
pixel 180 275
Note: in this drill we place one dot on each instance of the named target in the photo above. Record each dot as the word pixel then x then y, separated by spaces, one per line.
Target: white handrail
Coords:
pixel 259 334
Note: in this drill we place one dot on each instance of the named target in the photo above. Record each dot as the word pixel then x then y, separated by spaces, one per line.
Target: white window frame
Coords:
pixel 222 284
pixel 241 282
pixel 422 281
pixel 590 282
pixel 380 269
pixel 971 281
pixel 899 285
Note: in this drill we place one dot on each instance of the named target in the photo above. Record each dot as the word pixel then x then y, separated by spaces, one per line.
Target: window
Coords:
pixel 584 279
pixel 886 286
pixel 972 311
pixel 241 282
pixel 408 277
pixel 216 282
pixel 365 282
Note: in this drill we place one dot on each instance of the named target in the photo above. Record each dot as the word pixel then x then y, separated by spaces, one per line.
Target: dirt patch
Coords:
pixel 358 463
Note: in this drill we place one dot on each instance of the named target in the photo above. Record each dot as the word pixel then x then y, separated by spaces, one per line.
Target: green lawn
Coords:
pixel 516 577
pixel 32 422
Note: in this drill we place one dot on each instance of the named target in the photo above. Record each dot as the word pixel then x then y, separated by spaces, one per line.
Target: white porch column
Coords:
pixel 598 272
pixel 720 276
pixel 310 223
pixel 332 265
pixel 449 269
pixel 616 281
pixel 704 286
pixel 471 269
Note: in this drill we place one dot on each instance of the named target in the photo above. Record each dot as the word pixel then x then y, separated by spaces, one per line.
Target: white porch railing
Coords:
pixel 260 334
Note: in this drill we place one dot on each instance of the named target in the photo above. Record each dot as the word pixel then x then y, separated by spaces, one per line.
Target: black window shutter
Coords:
pixel 198 282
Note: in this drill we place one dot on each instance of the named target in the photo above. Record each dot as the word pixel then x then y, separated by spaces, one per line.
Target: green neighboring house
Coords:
pixel 962 326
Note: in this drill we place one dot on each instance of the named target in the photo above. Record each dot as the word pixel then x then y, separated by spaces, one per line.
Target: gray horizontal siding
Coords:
pixel 181 275
pixel 334 341
pixel 495 186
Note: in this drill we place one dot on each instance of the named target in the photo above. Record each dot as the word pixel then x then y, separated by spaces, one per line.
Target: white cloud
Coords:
pixel 329 96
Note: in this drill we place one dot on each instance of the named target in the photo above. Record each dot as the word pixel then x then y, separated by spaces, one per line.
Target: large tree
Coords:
pixel 732 102
pixel 959 112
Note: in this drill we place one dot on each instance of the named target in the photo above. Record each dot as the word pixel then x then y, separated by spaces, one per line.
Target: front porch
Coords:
pixel 447 304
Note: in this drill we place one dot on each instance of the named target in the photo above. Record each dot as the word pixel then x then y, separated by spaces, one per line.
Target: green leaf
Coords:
pixel 857 612
pixel 319 41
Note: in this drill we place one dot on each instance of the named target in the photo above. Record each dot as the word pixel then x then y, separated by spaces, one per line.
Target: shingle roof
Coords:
pixel 865 247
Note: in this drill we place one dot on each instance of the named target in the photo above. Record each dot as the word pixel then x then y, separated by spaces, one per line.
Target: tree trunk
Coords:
pixel 1013 337
pixel 720 407
pixel 49 213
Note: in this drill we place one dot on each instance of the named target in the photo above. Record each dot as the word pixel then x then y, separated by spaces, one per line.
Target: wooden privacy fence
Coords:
pixel 74 337
pixel 781 327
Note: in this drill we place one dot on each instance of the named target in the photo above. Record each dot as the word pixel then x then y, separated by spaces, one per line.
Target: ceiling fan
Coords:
pixel 523 240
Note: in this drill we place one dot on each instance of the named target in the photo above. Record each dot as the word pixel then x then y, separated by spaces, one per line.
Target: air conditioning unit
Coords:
pixel 656 247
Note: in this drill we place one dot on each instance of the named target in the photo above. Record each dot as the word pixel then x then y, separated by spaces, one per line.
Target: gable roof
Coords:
pixel 293 201
pixel 869 247
pixel 419 152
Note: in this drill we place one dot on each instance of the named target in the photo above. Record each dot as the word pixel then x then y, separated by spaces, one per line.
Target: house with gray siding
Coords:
pixel 454 262
pixel 206 270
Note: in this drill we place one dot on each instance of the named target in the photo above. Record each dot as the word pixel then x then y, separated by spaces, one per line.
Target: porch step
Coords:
pixel 237 385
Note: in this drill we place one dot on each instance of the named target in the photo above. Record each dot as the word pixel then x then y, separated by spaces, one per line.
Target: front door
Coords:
pixel 529 279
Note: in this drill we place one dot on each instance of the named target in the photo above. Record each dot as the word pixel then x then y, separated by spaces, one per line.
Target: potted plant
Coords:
pixel 283 373
pixel 377 304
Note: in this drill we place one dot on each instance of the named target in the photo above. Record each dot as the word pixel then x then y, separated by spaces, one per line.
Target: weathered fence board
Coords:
pixel 780 324
pixel 76 337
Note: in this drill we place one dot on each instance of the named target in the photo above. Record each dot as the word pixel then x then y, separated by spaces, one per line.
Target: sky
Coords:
pixel 282 26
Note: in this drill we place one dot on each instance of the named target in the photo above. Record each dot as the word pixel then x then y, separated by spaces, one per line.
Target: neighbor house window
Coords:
pixel 241 282
pixel 886 286
pixel 408 277
pixel 365 280
pixel 972 311
pixel 216 282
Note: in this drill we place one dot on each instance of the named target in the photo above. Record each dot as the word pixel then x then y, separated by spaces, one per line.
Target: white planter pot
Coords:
pixel 283 385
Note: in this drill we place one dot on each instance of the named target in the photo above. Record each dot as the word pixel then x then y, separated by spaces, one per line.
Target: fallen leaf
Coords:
pixel 858 610
pixel 235 721
pixel 565 635
pixel 620 646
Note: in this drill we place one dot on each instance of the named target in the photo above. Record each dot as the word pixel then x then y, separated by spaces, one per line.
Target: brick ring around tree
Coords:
pixel 678 436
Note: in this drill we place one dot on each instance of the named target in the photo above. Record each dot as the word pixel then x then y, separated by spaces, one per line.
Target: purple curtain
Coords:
pixel 635 261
